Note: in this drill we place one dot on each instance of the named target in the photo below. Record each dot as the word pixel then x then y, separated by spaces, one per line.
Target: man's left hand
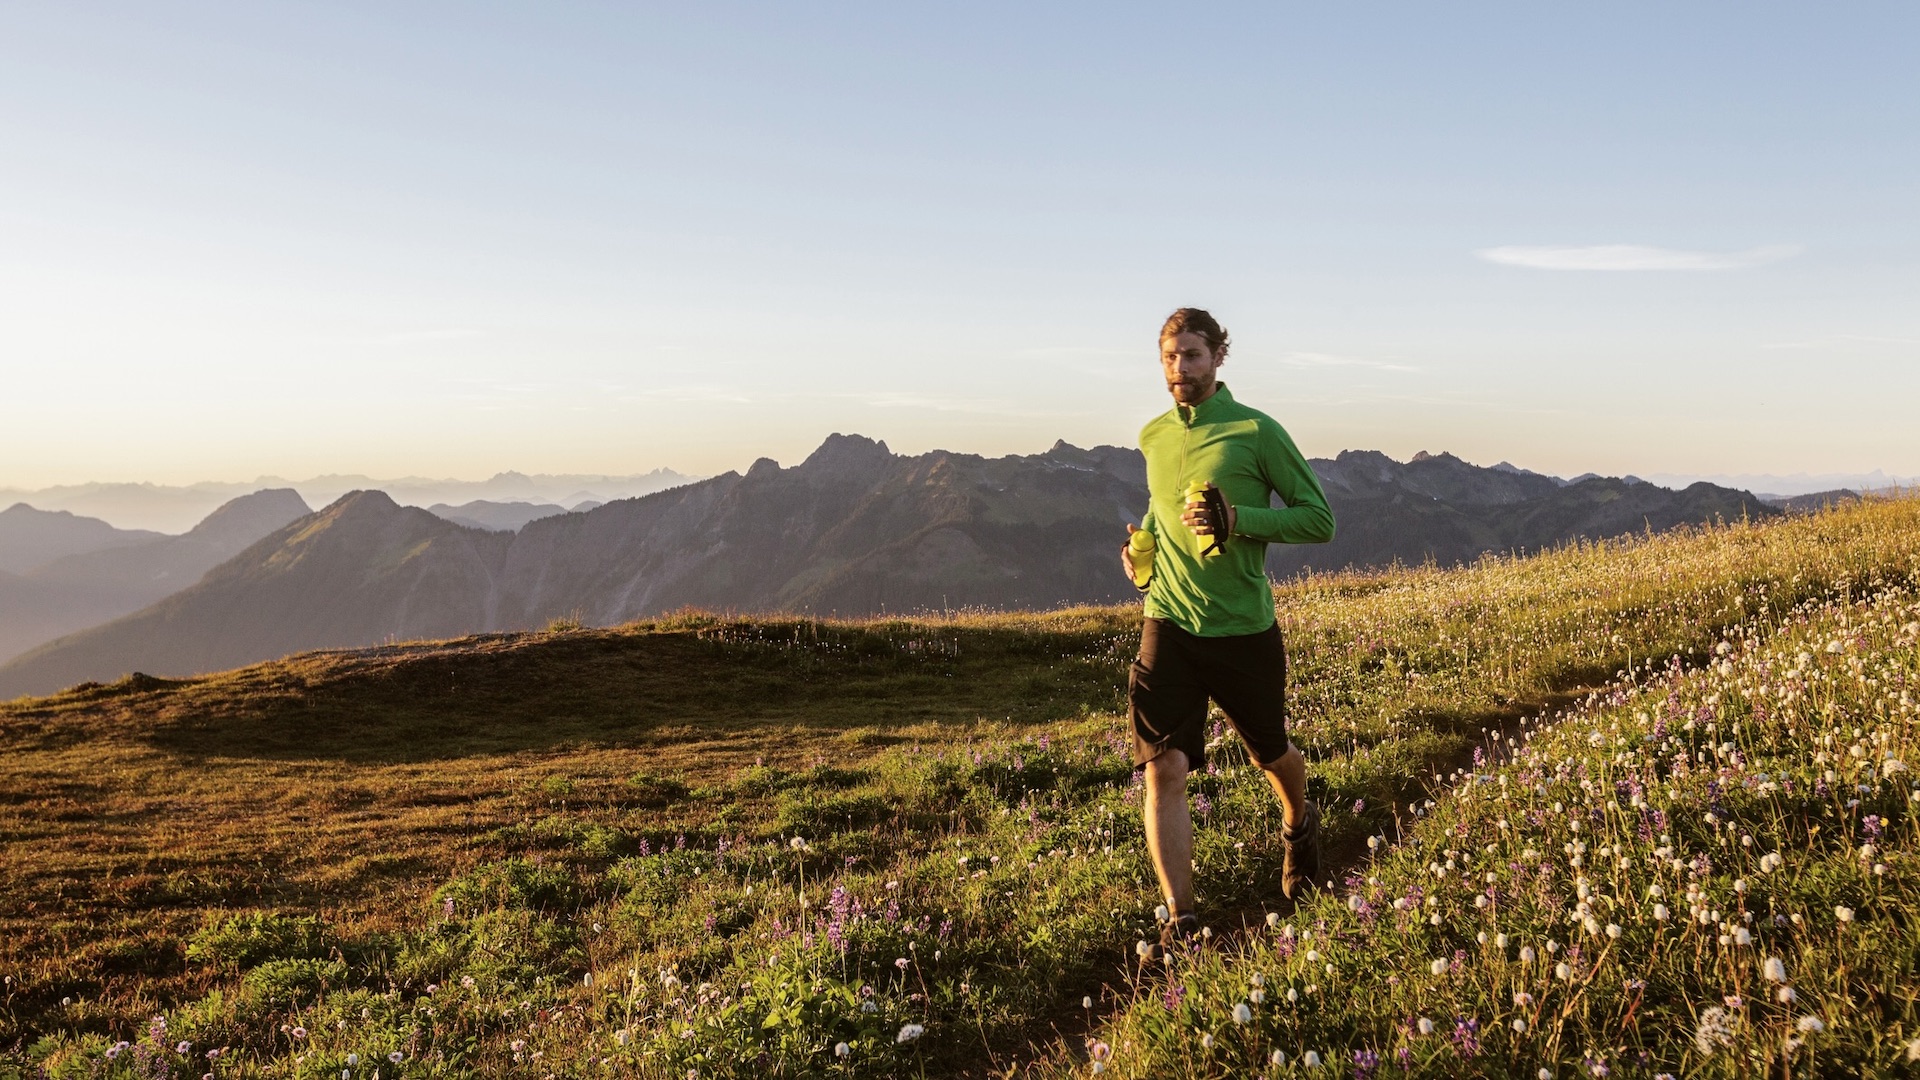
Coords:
pixel 1195 518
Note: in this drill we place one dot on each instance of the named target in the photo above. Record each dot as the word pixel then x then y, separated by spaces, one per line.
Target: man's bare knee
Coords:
pixel 1168 771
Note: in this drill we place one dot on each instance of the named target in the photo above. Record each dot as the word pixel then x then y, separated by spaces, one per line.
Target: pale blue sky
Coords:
pixel 450 239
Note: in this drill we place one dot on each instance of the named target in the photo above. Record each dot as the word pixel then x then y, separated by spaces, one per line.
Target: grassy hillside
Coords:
pixel 731 847
pixel 1715 873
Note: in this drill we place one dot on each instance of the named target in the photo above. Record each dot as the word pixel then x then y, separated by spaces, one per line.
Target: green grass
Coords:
pixel 706 844
pixel 1609 901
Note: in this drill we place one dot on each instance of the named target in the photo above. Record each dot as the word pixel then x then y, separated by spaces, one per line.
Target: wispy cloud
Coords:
pixel 1634 257
pixel 694 394
pixel 1840 340
pixel 1318 359
pixel 410 336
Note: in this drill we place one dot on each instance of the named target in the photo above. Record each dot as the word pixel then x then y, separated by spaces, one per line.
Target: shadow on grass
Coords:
pixel 589 689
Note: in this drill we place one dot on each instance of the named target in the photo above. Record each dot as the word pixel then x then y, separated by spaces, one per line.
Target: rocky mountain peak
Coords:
pixel 848 455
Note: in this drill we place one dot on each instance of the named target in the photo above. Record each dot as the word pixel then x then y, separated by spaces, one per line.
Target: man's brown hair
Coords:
pixel 1197 321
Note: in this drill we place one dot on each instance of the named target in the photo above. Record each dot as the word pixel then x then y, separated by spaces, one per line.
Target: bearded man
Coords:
pixel 1209 630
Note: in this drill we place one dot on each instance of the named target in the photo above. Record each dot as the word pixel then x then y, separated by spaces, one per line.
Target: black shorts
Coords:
pixel 1168 688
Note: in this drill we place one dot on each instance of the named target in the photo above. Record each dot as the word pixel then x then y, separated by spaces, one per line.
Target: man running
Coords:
pixel 1209 630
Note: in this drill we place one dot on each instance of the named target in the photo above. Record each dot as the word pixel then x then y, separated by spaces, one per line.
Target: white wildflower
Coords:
pixel 1714 1030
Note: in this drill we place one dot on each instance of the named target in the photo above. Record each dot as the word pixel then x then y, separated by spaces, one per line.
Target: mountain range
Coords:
pixel 175 508
pixel 106 572
pixel 854 530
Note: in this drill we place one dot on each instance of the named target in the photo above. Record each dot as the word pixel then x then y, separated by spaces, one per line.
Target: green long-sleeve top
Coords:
pixel 1247 455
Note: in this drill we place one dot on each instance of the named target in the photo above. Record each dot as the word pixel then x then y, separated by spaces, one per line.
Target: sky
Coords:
pixel 452 239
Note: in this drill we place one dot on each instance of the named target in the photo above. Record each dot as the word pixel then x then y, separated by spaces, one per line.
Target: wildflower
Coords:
pixel 183 1048
pixel 1809 1025
pixel 1279 1057
pixel 1714 1030
pixel 1562 971
pixel 1843 913
pixel 1742 936
pixel 1613 930
pixel 1527 954
pixel 299 1033
pixel 909 1033
pixel 354 1059
pixel 1206 1042
pixel 901 963
pixel 396 1057
pixel 1660 913
pixel 1273 920
pixel 841 1050
pixel 1087 1002
pixel 1311 1058
pixel 1519 1026
pixel 1774 969
pixel 1785 995
pixel 1425 1025
pixel 1438 967
pixel 1242 1014
pixel 1099 1051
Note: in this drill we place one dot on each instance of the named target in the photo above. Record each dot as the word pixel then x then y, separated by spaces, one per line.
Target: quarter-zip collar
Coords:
pixel 1220 399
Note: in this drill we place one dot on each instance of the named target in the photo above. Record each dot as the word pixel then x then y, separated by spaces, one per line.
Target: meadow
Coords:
pixel 705 846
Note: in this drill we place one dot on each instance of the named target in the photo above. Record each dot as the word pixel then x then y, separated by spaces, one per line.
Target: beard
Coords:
pixel 1190 391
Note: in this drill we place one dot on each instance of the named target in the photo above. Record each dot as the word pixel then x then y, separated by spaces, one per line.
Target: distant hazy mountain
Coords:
pixel 362 570
pixel 1775 486
pixel 854 529
pixel 30 537
pixel 97 584
pixel 1440 507
pixel 1808 503
pixel 176 508
pixel 498 516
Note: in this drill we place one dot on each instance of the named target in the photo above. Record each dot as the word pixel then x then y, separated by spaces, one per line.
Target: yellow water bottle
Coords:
pixel 1140 555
